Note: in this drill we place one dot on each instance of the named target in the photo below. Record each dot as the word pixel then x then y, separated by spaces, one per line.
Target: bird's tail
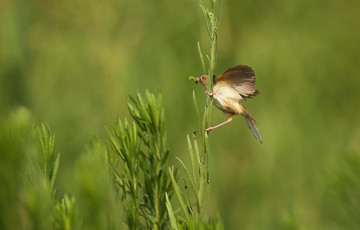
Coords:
pixel 252 125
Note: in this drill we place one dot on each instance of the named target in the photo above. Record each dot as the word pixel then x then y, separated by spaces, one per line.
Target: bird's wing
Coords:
pixel 241 78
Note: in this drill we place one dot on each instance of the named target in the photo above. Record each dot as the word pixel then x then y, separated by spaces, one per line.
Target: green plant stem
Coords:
pixel 155 226
pixel 213 44
pixel 157 200
pixel 204 172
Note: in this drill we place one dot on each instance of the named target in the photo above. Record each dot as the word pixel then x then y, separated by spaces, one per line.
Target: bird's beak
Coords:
pixel 195 79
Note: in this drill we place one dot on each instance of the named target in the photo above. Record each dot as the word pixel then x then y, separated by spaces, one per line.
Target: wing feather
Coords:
pixel 241 78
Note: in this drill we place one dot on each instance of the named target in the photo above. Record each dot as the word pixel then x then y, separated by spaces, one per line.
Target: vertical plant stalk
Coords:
pixel 198 173
pixel 211 22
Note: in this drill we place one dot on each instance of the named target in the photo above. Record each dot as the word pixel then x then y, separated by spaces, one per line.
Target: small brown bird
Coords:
pixel 230 89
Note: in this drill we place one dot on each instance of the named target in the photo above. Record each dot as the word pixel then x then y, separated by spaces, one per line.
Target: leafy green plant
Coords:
pixel 97 203
pixel 138 156
pixel 64 210
pixel 49 161
pixel 28 176
pixel 134 158
pixel 191 199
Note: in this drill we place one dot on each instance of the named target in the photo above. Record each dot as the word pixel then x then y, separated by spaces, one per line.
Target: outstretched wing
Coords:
pixel 241 78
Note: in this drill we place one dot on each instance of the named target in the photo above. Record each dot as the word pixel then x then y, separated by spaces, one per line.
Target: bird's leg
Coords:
pixel 210 94
pixel 227 121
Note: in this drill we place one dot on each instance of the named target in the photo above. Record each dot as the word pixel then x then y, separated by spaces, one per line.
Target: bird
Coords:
pixel 230 89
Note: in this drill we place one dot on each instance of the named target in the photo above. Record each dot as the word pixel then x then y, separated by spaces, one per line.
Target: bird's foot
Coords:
pixel 210 94
pixel 209 129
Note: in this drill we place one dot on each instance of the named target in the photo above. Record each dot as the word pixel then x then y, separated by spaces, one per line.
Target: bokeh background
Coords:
pixel 74 63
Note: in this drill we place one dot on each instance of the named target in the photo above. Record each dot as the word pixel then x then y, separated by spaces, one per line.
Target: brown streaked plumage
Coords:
pixel 230 89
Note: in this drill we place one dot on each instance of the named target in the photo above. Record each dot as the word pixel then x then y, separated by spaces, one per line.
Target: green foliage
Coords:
pixel 125 167
pixel 191 197
pixel 25 196
pixel 123 183
pixel 65 213
pixel 49 162
pixel 211 20
pixel 138 156
pixel 14 139
pixel 96 201
pixel 29 173
pixel 198 176
pixel 341 198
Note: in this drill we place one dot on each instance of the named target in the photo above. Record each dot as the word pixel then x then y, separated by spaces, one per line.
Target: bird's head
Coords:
pixel 203 79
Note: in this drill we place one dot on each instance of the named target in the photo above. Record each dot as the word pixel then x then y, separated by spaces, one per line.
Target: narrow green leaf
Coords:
pixel 192 159
pixel 54 174
pixel 190 178
pixel 171 214
pixel 201 57
pixel 196 107
pixel 197 151
pixel 178 194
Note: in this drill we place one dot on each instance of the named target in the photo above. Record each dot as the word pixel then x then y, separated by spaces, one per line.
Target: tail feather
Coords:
pixel 252 125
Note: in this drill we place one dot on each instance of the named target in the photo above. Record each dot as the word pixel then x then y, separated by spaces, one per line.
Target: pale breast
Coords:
pixel 227 99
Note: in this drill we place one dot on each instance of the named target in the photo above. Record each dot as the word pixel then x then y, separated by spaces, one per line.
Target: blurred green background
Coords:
pixel 74 63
